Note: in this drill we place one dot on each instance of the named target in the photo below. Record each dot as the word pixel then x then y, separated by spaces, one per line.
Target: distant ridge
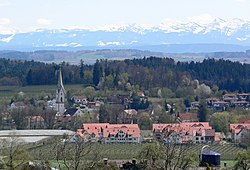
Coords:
pixel 177 37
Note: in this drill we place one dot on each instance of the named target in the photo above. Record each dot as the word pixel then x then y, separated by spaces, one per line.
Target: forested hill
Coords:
pixel 147 73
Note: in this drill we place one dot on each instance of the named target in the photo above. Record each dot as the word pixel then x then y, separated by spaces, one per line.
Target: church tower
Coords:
pixel 60 94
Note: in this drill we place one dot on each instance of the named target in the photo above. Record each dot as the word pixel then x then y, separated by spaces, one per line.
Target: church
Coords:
pixel 60 95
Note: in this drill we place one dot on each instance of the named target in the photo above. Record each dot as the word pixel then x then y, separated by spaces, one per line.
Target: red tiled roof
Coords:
pixel 107 129
pixel 131 129
pixel 92 128
pixel 243 94
pixel 19 104
pixel 221 102
pixel 230 94
pixel 140 93
pixel 238 127
pixel 79 97
pixel 209 132
pixel 188 117
pixel 212 99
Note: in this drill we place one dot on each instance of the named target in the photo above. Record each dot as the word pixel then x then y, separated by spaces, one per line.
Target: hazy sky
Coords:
pixel 25 15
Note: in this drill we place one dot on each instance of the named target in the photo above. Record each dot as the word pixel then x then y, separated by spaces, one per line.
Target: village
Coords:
pixel 128 119
pixel 87 118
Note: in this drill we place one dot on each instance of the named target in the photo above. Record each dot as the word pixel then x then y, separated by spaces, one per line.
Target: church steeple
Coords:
pixel 60 81
pixel 60 94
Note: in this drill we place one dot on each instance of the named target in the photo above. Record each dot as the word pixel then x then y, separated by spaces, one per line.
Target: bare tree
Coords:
pixel 73 152
pixel 178 156
pixel 170 156
pixel 14 150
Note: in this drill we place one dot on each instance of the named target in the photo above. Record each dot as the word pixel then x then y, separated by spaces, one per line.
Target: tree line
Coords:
pixel 147 73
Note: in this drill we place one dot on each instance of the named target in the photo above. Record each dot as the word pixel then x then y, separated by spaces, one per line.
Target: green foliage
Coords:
pixel 144 121
pixel 148 73
pixel 151 152
pixel 243 161
pixel 220 122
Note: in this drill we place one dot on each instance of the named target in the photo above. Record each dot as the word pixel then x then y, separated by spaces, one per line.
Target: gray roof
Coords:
pixel 30 136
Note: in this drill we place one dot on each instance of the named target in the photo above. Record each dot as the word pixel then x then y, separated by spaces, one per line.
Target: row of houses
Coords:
pixel 195 132
pixel 187 132
pixel 227 100
pixel 230 100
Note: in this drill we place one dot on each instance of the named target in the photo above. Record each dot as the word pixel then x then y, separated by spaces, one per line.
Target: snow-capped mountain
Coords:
pixel 217 31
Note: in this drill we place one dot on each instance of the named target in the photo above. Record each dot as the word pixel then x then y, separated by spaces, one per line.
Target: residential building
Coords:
pixel 188 132
pixel 243 96
pixel 211 101
pixel 128 116
pixel 220 105
pixel 17 106
pixel 229 96
pixel 187 117
pixel 122 133
pixel 237 131
pixel 80 100
pixel 73 112
pixel 111 133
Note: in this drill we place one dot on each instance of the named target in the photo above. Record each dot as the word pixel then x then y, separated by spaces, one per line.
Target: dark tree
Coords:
pixel 97 73
pixel 81 69
pixel 29 77
pixel 202 114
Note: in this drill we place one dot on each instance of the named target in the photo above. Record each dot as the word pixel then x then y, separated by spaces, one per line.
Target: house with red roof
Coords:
pixel 128 116
pixel 187 117
pixel 237 131
pixel 122 133
pixel 110 133
pixel 230 95
pixel 210 101
pixel 187 132
pixel 92 131
pixel 243 96
pixel 220 105
pixel 17 106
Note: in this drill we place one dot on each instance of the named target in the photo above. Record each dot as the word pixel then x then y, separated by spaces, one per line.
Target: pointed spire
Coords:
pixel 60 82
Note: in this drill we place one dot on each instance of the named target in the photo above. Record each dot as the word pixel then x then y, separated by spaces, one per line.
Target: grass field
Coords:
pixel 128 151
pixel 8 92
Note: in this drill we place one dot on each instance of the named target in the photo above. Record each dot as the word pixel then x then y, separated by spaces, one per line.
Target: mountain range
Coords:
pixel 171 37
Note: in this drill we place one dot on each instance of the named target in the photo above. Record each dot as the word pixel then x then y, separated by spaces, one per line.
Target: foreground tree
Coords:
pixel 243 161
pixel 72 151
pixel 171 156
pixel 14 151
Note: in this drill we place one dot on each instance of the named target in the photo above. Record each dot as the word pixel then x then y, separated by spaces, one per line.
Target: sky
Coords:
pixel 28 15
